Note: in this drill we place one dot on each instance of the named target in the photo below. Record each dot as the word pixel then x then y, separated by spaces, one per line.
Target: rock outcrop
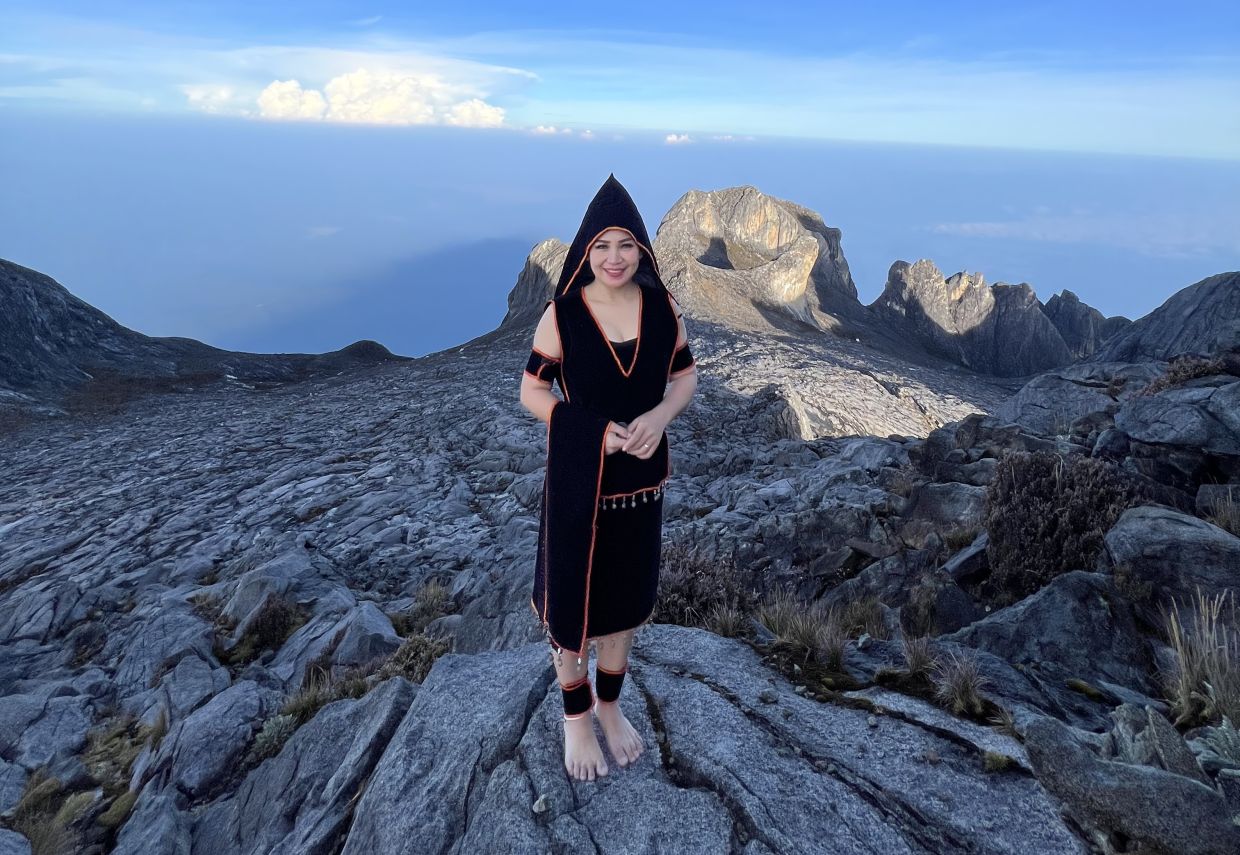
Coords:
pixel 1202 319
pixel 1082 327
pixel 998 329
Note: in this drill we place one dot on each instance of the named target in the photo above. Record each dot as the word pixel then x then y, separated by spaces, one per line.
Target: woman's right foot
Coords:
pixel 583 756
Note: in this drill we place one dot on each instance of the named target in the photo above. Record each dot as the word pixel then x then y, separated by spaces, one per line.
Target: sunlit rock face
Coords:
pixel 737 255
pixel 998 329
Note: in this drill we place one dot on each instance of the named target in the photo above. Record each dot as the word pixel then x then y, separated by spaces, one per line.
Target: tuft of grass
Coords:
pixel 1002 720
pixel 1205 684
pixel 1223 740
pixel 958 683
pixel 810 631
pixel 430 603
pixel 1226 514
pixel 277 619
pixel 864 616
pixel 994 761
pixel 728 622
pixel 917 656
pixel 958 538
pixel 40 816
pixel 116 814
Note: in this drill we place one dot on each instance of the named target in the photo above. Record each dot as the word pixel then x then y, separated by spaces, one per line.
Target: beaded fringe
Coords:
pixel 652 494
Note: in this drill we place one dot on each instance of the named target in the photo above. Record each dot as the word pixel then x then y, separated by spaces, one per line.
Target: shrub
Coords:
pixel 692 586
pixel 728 622
pixel 1048 514
pixel 271 738
pixel 43 817
pixel 1183 368
pixel 1205 685
pixel 414 658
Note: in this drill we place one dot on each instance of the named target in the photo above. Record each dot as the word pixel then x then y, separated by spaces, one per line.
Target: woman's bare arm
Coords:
pixel 681 388
pixel 536 395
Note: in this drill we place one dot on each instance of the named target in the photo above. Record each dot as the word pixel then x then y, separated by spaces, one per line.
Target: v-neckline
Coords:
pixel 607 341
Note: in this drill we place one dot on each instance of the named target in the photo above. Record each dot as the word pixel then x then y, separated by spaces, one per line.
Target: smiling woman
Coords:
pixel 600 529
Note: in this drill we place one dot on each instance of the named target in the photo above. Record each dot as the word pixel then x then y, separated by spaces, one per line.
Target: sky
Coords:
pixel 273 180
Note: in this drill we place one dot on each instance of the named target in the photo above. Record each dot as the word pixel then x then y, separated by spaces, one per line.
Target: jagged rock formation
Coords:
pixel 1082 327
pixel 740 257
pixel 998 329
pixel 1202 318
pixel 53 342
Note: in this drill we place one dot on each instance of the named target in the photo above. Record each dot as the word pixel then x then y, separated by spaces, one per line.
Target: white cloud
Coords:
pixel 367 22
pixel 677 139
pixel 380 98
pixel 476 113
pixel 322 231
pixel 552 129
pixel 285 99
pixel 210 98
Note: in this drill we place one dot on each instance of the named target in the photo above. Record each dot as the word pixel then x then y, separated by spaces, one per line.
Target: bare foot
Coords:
pixel 583 757
pixel 623 740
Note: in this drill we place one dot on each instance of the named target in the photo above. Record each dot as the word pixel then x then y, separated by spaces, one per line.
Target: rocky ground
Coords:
pixel 296 619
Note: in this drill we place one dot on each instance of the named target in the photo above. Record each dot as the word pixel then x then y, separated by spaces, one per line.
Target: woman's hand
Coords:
pixel 645 434
pixel 615 437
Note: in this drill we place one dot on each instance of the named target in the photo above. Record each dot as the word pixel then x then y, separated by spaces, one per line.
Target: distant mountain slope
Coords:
pixel 51 342
pixel 1202 318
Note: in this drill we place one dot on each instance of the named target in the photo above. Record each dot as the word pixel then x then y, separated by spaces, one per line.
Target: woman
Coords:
pixel 613 338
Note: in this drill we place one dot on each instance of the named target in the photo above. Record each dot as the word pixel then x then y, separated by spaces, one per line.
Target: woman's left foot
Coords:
pixel 623 740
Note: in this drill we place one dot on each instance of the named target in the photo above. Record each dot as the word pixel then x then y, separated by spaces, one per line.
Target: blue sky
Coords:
pixel 264 177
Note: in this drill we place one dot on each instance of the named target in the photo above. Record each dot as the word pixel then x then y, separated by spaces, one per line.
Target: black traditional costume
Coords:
pixel 600 528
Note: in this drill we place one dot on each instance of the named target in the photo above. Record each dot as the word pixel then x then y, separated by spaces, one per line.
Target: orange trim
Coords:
pixel 575 684
pixel 585 255
pixel 598 486
pixel 598 667
pixel 636 348
pixel 537 379
pixel 692 366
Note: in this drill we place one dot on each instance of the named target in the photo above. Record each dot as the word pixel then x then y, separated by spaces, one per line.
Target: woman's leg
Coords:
pixel 610 670
pixel 583 758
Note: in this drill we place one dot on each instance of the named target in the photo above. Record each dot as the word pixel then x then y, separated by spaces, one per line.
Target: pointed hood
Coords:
pixel 611 208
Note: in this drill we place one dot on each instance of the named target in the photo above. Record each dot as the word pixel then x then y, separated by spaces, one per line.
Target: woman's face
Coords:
pixel 614 257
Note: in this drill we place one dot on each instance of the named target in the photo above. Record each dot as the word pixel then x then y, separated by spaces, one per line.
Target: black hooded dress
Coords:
pixel 601 519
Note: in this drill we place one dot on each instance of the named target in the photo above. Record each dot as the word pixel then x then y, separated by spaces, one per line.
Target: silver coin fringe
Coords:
pixel 653 494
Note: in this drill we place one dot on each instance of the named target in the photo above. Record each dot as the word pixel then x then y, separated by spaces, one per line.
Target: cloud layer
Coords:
pixel 381 98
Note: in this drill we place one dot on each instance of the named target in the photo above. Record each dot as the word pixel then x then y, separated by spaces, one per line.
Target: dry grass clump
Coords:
pixel 692 586
pixel 1226 513
pixel 958 683
pixel 430 603
pixel 1205 687
pixel 864 616
pixel 918 659
pixel 1048 514
pixel 728 622
pixel 1183 368
pixel 277 619
pixel 811 631
pixel 958 538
